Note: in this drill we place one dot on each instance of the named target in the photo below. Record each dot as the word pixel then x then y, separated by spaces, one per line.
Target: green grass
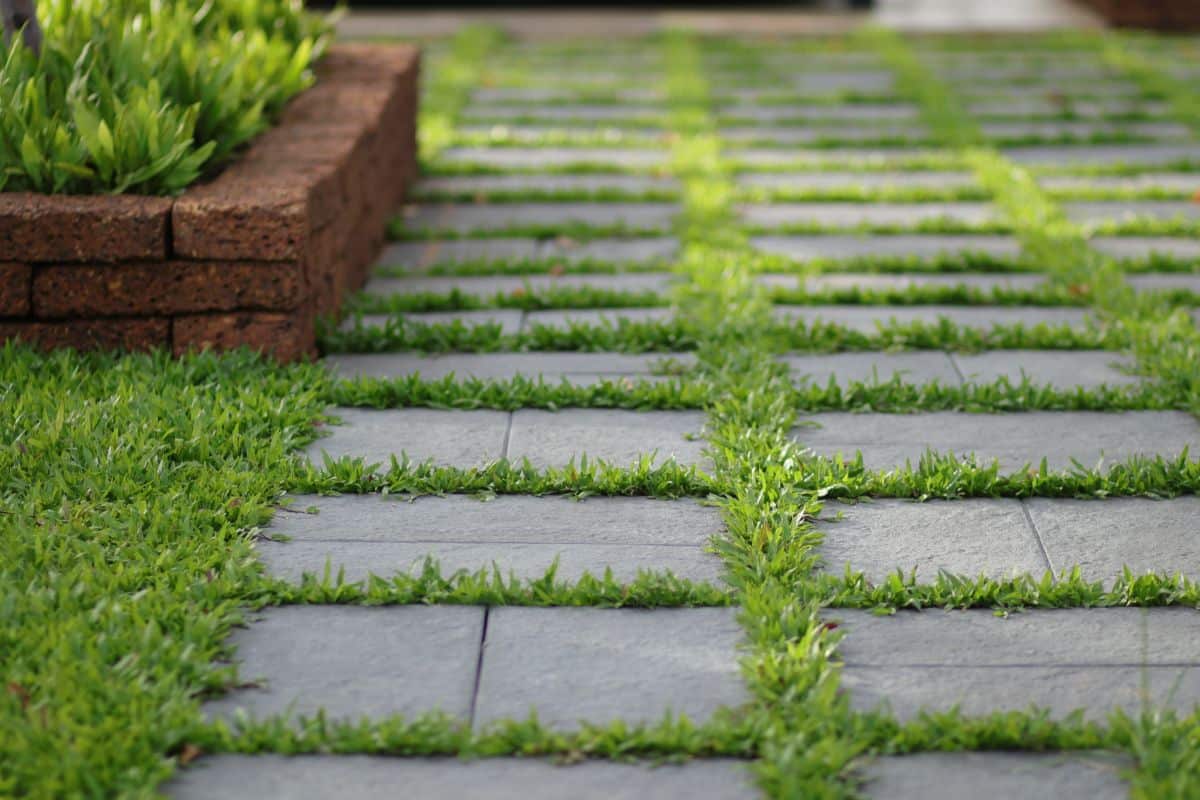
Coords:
pixel 143 98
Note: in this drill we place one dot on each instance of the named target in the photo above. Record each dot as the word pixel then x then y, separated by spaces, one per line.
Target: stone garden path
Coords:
pixel 550 239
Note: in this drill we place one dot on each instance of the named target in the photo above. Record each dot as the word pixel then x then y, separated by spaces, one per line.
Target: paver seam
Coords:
pixel 487 612
pixel 1038 536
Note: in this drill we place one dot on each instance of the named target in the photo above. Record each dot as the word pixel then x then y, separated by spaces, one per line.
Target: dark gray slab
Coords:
pixel 794 134
pixel 1019 776
pixel 1084 128
pixel 539 94
pixel 547 183
pixel 1165 281
pixel 884 281
pixel 552 365
pixel 847 214
pixel 1104 154
pixel 581 133
pixel 490 285
pixel 1097 660
pixel 508 319
pixel 867 319
pixel 355 661
pixel 554 438
pixel 1061 368
pixel 599 665
pixel 963 537
pixel 641 249
pixel 1176 181
pixel 918 367
pixel 596 316
pixel 519 535
pixel 825 81
pixel 1103 537
pixel 890 440
pixel 467 218
pixel 1115 210
pixel 599 113
pixel 867 180
pixel 449 438
pixel 1033 105
pixel 537 157
pixel 845 111
pixel 420 255
pixel 920 246
pixel 355 777
pixel 1141 246
pixel 880 156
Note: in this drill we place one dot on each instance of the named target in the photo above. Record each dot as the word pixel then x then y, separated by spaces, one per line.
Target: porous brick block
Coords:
pixel 91 334
pixel 14 289
pixel 65 291
pixel 37 227
pixel 285 336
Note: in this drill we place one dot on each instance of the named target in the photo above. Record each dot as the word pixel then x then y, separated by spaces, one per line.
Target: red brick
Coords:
pixel 15 280
pixel 287 337
pixel 38 227
pixel 63 291
pixel 91 334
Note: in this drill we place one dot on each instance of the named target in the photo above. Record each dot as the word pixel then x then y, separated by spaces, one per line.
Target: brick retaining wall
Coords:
pixel 251 257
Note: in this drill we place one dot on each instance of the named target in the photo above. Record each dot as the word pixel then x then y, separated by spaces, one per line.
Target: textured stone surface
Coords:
pixel 848 111
pixel 235 777
pixel 879 156
pixel 1061 368
pixel 559 112
pixel 41 228
pixel 1142 246
pixel 1118 210
pixel 923 246
pixel 420 255
pixel 867 319
pixel 553 366
pixel 137 334
pixel 1179 181
pixel 951 776
pixel 554 438
pixel 868 180
pixel 963 537
pixel 489 286
pixel 1061 660
pixel 599 665
pixel 914 367
pixel 1085 128
pixel 519 534
pixel 1158 282
pixel 467 218
pixel 641 249
pixel 509 320
pixel 909 133
pixel 508 157
pixel 547 183
pixel 287 336
pixel 449 438
pixel 1104 536
pixel 613 316
pixel 889 440
pixel 354 661
pixel 849 214
pixel 1104 154
pixel 883 281
pixel 15 283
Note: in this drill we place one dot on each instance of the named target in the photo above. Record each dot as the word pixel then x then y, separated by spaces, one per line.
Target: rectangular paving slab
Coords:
pixel 867 319
pixel 547 183
pixel 468 218
pixel 1103 537
pixel 847 111
pixel 918 367
pixel 1085 128
pixel 643 249
pixel 518 534
pixel 552 366
pixel 837 214
pixel 1104 154
pixel 355 661
pixel 962 537
pixel 1060 368
pixel 596 316
pixel 599 665
pixel 488 286
pixel 899 281
pixel 421 255
pixel 509 320
pixel 1117 210
pixel 361 777
pixel 1096 659
pixel 1091 437
pixel 1176 181
pixel 1142 246
pixel 910 133
pixel 539 157
pixel 1073 775
pixel 555 438
pixel 563 111
pixel 803 248
pixel 448 438
pixel 866 180
pixel 879 157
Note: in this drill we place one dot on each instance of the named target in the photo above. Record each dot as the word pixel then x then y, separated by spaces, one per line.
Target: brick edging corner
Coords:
pixel 251 257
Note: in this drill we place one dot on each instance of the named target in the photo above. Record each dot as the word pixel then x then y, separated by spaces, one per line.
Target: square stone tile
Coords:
pixel 465 218
pixel 509 320
pixel 868 319
pixel 1102 537
pixel 917 367
pixel 803 248
pixel 360 777
pixel 421 255
pixel 552 366
pixel 598 665
pixel 890 440
pixel 620 437
pixel 1059 368
pixel 963 537
pixel 1071 775
pixel 355 662
pixel 847 214
pixel 448 438
pixel 517 533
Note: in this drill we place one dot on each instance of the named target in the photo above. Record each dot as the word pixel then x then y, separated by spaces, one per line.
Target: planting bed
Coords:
pixel 250 257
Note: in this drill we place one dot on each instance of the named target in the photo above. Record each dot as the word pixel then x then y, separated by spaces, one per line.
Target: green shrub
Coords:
pixel 143 96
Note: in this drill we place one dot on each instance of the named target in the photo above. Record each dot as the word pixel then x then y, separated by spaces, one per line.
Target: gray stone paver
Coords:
pixel 1103 154
pixel 1033 105
pixel 890 440
pixel 420 255
pixel 1062 368
pixel 464 218
pixel 520 534
pixel 601 665
pixel 802 135
pixel 952 776
pixel 360 777
pixel 1179 181
pixel 449 438
pixel 1164 281
pixel 1141 246
pixel 1153 130
pixel 923 246
pixel 866 180
pixel 354 661
pixel 641 249
pixel 963 537
pixel 1112 210
pixel 596 316
pixel 884 281
pixel 848 214
pixel 918 367
pixel 516 157
pixel 1103 537
pixel 490 285
pixel 620 437
pixel 867 319
pixel 553 366
pixel 599 113
pixel 547 183
pixel 1097 660
pixel 509 320
pixel 879 156
pixel 849 112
